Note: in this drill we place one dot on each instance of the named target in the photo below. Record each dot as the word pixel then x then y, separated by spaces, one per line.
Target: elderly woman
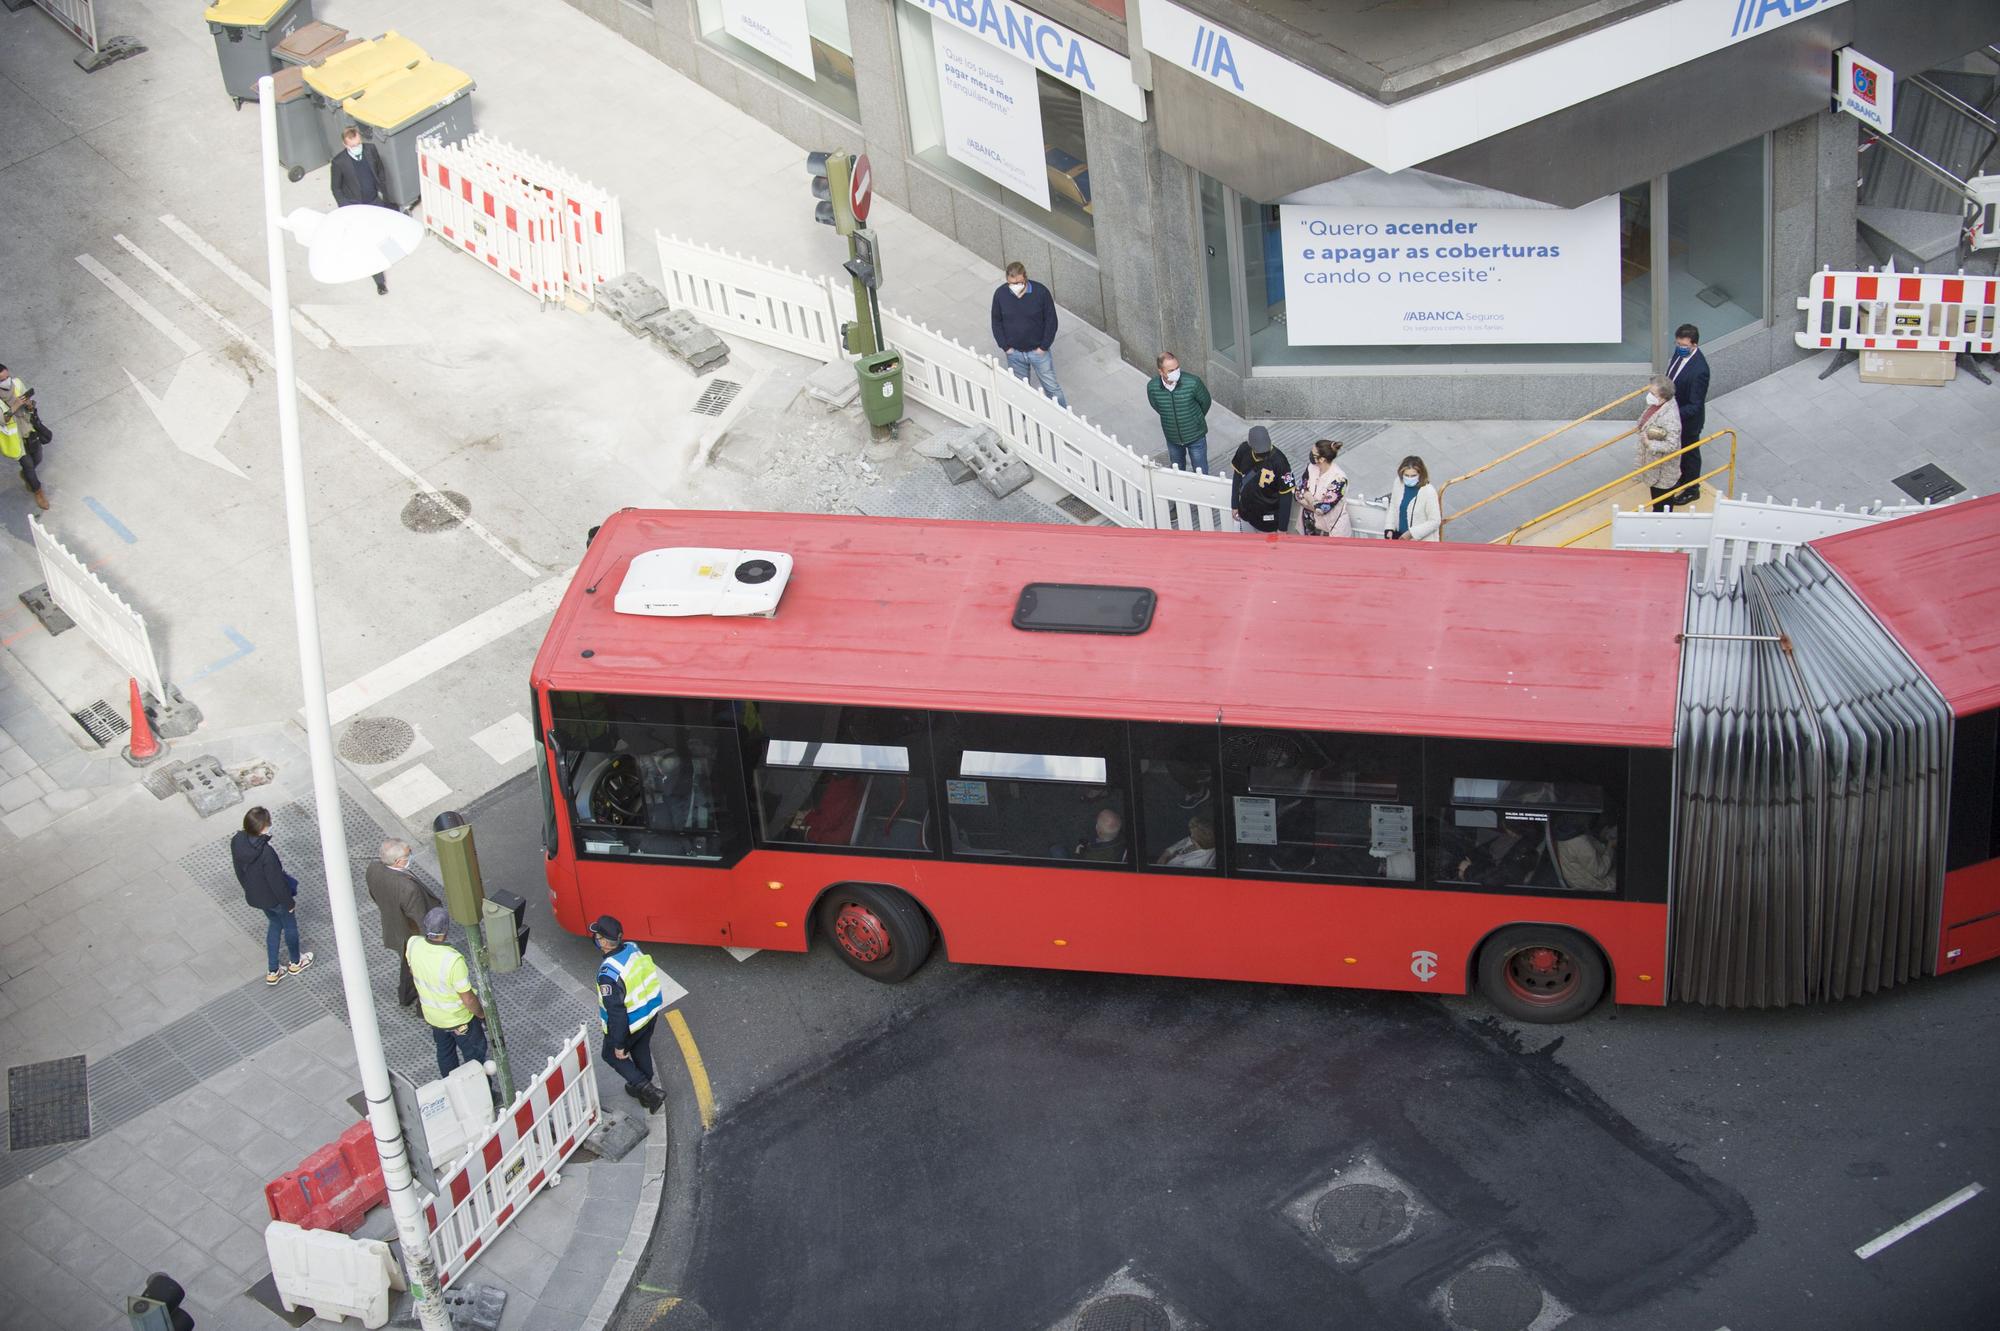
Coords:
pixel 1659 434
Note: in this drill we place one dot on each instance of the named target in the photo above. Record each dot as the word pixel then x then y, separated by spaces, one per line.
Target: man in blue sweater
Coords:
pixel 1024 324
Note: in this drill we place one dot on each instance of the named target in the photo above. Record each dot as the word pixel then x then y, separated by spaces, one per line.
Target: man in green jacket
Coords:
pixel 1182 401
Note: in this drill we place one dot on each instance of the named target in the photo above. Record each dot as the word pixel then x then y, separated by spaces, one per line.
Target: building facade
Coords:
pixel 1345 209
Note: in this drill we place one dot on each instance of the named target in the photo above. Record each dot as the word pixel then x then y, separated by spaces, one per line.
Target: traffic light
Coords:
pixel 831 178
pixel 865 267
pixel 506 928
pixel 157 1307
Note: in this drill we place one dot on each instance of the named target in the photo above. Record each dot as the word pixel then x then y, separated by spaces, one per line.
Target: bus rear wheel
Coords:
pixel 876 930
pixel 1541 973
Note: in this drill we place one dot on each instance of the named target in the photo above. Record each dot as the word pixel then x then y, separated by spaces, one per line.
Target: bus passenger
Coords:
pixel 1323 494
pixel 1196 850
pixel 1586 863
pixel 1414 511
pixel 1106 841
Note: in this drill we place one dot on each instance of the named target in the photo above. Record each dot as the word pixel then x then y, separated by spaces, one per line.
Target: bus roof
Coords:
pixel 1933 580
pixel 1481 641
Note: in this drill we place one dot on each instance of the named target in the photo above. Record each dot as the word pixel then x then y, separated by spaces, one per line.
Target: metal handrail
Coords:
pixel 1534 443
pixel 1634 474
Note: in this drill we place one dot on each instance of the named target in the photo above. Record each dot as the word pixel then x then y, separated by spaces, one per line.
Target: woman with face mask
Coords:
pixel 1659 433
pixel 1414 511
pixel 1323 494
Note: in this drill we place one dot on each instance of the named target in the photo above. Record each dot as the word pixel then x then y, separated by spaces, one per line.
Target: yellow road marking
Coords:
pixel 704 1096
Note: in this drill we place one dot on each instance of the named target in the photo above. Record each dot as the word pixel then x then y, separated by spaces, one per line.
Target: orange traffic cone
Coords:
pixel 144 748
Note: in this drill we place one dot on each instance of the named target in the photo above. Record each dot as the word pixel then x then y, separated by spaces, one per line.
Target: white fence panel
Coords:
pixel 1061 444
pixel 1741 532
pixel 1198 502
pixel 100 612
pixel 779 307
pixel 78 18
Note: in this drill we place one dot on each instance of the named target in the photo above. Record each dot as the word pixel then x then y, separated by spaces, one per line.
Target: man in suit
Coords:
pixel 403 903
pixel 1689 371
pixel 357 178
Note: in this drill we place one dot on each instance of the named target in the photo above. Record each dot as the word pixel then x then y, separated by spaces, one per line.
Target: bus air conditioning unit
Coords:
pixel 690 580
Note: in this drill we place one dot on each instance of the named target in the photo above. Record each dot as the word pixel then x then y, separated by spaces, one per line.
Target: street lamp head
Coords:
pixel 355 241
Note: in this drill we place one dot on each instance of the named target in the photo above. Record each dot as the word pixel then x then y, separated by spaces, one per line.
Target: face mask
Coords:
pixel 1680 351
pixel 355 152
pixel 1017 287
pixel 1409 478
pixel 1652 399
pixel 1173 377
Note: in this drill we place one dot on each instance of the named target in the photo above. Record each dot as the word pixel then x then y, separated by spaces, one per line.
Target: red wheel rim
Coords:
pixel 861 933
pixel 1542 975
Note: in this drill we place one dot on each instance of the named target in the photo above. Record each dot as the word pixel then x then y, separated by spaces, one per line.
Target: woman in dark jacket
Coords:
pixel 270 889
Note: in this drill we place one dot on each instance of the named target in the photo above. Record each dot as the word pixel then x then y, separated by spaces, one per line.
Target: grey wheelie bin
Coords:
pixel 393 112
pixel 311 43
pixel 301 136
pixel 247 33
pixel 338 77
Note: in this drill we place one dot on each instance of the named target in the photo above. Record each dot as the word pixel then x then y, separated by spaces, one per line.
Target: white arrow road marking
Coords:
pixel 117 287
pixel 200 403
pixel 258 291
pixel 1918 1221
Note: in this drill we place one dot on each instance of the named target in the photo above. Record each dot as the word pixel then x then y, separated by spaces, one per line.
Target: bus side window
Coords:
pixel 644 789
pixel 1513 816
pixel 839 777
pixel 1176 803
pixel 1035 788
pixel 1318 804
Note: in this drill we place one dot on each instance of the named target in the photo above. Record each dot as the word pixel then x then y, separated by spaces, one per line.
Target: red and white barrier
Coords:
pixel 1891 311
pixel 542 228
pixel 518 1157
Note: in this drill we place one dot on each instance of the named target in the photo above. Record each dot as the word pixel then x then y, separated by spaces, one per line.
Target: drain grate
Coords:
pixel 1080 510
pixel 1928 484
pixel 1493 1298
pixel 377 739
pixel 47 1103
pixel 1124 1312
pixel 102 722
pixel 715 398
pixel 1360 1216
pixel 163 782
pixel 435 510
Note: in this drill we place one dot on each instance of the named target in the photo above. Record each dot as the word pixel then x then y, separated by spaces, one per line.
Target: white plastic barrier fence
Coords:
pixel 100 612
pixel 78 18
pixel 457 1110
pixel 1742 531
pixel 543 229
pixel 784 308
pixel 336 1276
pixel 521 1154
pixel 1891 311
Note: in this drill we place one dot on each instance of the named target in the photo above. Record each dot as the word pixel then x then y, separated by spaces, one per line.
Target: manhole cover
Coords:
pixel 1361 1215
pixel 1078 509
pixel 1928 484
pixel 1123 1312
pixel 435 510
pixel 1492 1298
pixel 715 398
pixel 102 722
pixel 47 1103
pixel 684 1316
pixel 376 739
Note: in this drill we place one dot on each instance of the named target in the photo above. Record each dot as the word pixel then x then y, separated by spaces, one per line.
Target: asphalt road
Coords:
pixel 988 1148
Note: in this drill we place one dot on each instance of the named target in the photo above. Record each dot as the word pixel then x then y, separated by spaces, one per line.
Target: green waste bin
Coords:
pixel 881 378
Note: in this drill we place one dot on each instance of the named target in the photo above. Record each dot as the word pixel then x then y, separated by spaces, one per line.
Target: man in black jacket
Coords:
pixel 1024 324
pixel 1689 371
pixel 1261 493
pixel 357 178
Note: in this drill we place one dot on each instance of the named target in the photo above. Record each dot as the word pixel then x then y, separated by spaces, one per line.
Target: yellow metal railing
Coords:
pixel 1728 468
pixel 1626 433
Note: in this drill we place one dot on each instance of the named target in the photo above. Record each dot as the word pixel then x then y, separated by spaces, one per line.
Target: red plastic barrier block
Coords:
pixel 334 1187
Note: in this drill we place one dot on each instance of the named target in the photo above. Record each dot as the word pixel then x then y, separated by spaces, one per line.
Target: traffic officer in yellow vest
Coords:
pixel 444 988
pixel 629 997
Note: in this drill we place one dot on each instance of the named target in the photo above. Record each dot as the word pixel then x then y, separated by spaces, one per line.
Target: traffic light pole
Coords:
pixel 867 310
pixel 482 984
pixel 465 898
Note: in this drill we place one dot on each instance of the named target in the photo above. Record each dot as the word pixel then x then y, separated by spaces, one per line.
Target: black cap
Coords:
pixel 607 926
pixel 1260 439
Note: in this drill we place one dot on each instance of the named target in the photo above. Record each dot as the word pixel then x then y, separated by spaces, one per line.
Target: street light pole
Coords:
pixel 390 1143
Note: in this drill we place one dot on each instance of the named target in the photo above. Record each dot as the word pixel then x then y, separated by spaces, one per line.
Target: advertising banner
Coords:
pixel 1411 276
pixel 775 27
pixel 1058 51
pixel 992 113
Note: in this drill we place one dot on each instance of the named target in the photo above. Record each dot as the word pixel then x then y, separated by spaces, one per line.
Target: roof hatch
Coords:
pixel 692 580
pixel 1077 607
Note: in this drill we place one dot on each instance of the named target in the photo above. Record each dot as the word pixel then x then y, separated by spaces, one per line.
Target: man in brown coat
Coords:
pixel 402 901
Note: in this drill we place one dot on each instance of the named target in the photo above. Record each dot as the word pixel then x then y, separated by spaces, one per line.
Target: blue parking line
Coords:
pixel 243 648
pixel 124 532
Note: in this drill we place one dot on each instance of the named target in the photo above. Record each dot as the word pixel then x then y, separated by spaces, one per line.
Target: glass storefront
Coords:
pixel 1716 241
pixel 832 55
pixel 1066 158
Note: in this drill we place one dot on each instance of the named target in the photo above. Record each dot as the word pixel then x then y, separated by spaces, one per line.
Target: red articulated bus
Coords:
pixel 1545 774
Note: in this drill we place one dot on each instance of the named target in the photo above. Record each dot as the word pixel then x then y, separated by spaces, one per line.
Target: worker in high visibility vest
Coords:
pixel 22 433
pixel 629 997
pixel 444 989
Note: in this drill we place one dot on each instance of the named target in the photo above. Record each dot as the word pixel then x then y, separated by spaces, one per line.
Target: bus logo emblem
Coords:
pixel 1424 965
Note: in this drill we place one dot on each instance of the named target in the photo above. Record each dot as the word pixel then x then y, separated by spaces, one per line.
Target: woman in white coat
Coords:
pixel 1322 494
pixel 1414 511
pixel 1659 433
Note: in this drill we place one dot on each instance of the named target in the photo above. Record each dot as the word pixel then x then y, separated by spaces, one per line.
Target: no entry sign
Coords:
pixel 861 188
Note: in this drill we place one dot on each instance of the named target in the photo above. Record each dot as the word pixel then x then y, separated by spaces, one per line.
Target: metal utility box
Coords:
pixel 394 111
pixel 341 75
pixel 247 33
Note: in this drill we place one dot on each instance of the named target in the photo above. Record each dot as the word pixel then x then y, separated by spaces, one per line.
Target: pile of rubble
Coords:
pixel 643 309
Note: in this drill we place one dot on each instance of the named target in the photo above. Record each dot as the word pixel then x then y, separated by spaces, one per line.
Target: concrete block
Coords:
pixel 833 384
pixel 979 448
pixel 631 299
pixel 613 1138
pixel 687 339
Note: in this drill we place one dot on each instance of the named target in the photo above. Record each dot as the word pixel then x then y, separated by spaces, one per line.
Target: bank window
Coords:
pixel 650 789
pixel 1035 788
pixel 1539 818
pixel 839 778
pixel 1715 241
pixel 803 44
pixel 1177 797
pixel 1316 804
pixel 992 123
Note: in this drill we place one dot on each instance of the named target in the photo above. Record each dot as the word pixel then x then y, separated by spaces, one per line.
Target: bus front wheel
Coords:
pixel 877 930
pixel 1541 973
